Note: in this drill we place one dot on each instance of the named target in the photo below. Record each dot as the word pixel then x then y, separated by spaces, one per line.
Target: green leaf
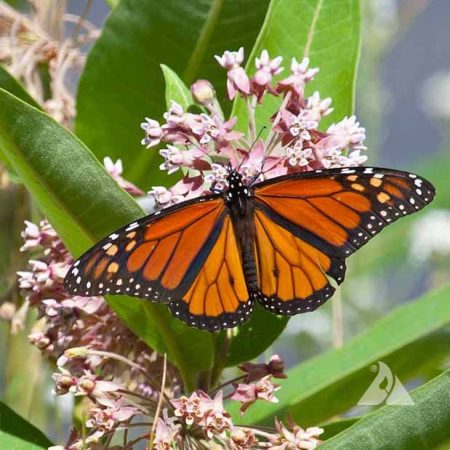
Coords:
pixel 84 204
pixel 325 30
pixel 334 381
pixel 424 425
pixel 255 336
pixel 175 89
pixel 18 434
pixel 332 428
pixel 122 82
pixel 10 84
pixel 329 33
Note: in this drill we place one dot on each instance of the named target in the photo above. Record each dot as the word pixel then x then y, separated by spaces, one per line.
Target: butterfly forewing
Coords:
pixel 156 257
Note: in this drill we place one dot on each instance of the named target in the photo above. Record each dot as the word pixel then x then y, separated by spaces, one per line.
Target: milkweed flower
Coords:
pixel 237 79
pixel 249 393
pixel 256 371
pixel 166 433
pixel 204 144
pixel 243 439
pixel 115 169
pixel 295 438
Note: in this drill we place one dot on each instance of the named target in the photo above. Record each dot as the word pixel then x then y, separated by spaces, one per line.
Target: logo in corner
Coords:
pixel 385 388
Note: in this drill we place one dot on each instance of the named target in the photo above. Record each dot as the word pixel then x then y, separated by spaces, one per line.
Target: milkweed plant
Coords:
pixel 130 395
pixel 97 356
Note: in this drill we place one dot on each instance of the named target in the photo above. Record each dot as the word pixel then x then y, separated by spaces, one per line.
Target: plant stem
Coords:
pixel 220 359
pixel 176 355
pixel 204 380
pixel 158 407
pixel 337 318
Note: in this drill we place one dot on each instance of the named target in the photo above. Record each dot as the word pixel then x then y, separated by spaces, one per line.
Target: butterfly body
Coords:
pixel 279 242
pixel 240 203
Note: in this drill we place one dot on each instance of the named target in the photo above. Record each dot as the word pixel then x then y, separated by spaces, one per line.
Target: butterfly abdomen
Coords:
pixel 241 212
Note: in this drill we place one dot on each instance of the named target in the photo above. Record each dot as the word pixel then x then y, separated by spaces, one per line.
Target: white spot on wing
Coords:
pixel 132 226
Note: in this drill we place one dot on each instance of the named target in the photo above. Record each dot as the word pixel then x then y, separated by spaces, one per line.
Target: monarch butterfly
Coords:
pixel 277 242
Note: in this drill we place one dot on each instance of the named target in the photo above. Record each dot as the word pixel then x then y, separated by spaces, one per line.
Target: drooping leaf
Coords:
pixel 424 425
pixel 122 82
pixel 334 381
pixel 18 434
pixel 326 31
pixel 84 204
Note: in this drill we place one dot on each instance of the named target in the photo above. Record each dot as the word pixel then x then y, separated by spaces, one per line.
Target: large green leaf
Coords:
pixel 333 382
pixel 122 82
pixel 18 434
pixel 10 84
pixel 84 204
pixel 424 425
pixel 255 336
pixel 327 31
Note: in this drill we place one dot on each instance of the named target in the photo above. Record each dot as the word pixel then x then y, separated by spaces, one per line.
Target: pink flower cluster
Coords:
pixel 203 412
pixel 204 144
pixel 97 357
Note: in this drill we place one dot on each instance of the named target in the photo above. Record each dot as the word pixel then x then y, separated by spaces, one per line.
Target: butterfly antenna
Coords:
pixel 251 147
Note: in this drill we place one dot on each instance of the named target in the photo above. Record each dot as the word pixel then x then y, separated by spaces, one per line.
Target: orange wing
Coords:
pixel 292 274
pixel 185 256
pixel 306 224
pixel 156 257
pixel 218 297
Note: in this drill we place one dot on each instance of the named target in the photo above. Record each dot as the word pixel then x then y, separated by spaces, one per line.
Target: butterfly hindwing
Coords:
pixel 292 273
pixel 218 298
pixel 312 221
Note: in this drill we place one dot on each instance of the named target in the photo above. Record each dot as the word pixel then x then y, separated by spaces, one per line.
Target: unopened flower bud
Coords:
pixel 86 384
pixel 63 383
pixel 203 92
pixel 76 352
pixel 39 339
pixel 7 310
